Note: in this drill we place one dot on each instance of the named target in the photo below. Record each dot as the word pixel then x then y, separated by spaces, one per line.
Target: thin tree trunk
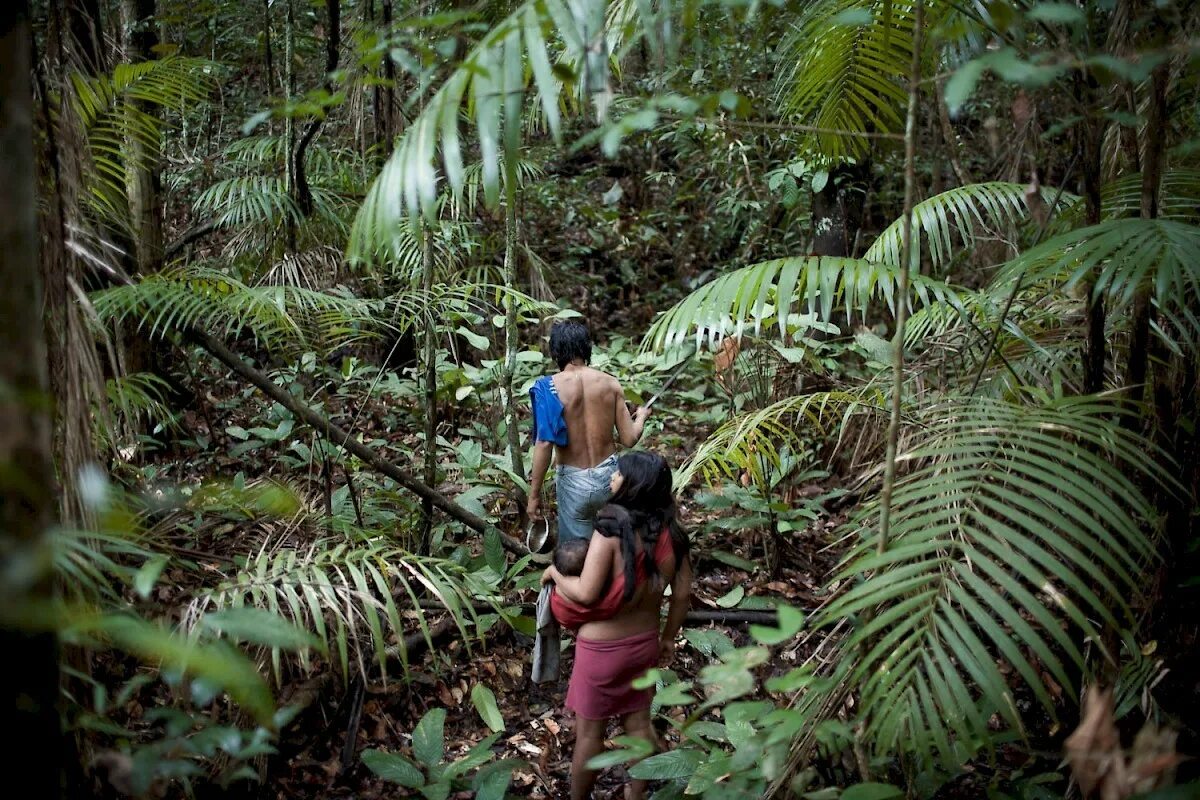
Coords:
pixel 333 44
pixel 431 327
pixel 1151 177
pixel 289 124
pixel 143 178
pixel 1091 131
pixel 30 694
pixel 510 320
pixel 910 191
pixel 268 52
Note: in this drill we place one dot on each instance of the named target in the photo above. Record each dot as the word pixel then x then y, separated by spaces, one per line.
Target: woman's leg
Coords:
pixel 589 742
pixel 638 724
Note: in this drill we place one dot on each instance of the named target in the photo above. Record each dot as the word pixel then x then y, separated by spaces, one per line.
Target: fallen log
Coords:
pixel 732 616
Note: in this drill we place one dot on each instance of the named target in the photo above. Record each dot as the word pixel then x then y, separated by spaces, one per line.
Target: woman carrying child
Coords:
pixel 615 602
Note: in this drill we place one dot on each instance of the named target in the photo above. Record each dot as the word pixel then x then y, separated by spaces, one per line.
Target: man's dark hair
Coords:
pixel 570 340
pixel 570 555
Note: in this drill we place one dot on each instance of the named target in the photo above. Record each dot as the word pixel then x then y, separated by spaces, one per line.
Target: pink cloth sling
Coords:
pixel 572 615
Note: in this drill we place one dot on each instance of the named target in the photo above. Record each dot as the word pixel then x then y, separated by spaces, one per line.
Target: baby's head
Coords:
pixel 570 555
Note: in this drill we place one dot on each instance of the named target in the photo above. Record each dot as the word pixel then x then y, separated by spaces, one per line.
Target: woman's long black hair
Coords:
pixel 643 506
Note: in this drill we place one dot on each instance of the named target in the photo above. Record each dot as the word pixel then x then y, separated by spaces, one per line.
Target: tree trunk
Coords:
pixel 385 94
pixel 430 474
pixel 1151 176
pixel 268 52
pixel 333 43
pixel 837 210
pixel 289 124
pixel 143 176
pixel 510 321
pixel 30 693
pixel 1092 132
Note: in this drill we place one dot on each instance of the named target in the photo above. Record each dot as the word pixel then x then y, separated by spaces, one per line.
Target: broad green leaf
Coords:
pixel 485 703
pixel 429 743
pixel 790 622
pixel 147 576
pixel 394 767
pixel 671 765
pixel 961 85
pixel 1061 13
pixel 733 561
pixel 629 748
pixel 732 598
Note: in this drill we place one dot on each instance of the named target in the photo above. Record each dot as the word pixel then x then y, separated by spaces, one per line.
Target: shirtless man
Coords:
pixel 574 415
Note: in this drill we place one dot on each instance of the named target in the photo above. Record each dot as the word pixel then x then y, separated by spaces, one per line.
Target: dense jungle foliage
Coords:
pixel 277 276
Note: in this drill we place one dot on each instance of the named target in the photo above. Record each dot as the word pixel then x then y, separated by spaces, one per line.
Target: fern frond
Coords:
pixel 847 79
pixel 963 210
pixel 284 317
pixel 356 598
pixel 1014 528
pixel 1118 257
pixel 751 440
pixel 762 295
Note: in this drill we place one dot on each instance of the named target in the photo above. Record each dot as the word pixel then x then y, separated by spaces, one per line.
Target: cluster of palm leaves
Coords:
pixel 1020 524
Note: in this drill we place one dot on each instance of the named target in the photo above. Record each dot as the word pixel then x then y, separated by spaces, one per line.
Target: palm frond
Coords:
pixel 762 295
pixel 1118 257
pixel 259 201
pixel 356 598
pixel 1178 198
pixel 1037 346
pixel 111 110
pixel 847 79
pixel 283 317
pixel 750 441
pixel 492 72
pixel 963 210
pixel 1015 527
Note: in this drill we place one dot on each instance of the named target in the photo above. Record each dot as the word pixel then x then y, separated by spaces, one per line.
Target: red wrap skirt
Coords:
pixel 602 678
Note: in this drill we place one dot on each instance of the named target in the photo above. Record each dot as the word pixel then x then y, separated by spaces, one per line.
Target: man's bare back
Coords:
pixel 593 406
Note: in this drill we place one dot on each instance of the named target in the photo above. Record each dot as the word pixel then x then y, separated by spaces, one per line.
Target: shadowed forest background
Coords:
pixel 277 276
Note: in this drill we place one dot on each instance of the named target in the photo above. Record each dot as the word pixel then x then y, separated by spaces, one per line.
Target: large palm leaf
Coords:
pixel 761 295
pixel 489 88
pixel 1117 258
pixel 847 79
pixel 356 598
pixel 756 439
pixel 963 211
pixel 113 111
pixel 290 318
pixel 1016 529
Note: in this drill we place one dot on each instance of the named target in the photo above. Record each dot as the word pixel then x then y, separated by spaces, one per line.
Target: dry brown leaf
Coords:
pixel 1094 749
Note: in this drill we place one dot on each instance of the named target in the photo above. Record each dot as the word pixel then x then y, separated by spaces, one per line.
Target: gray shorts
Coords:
pixel 581 493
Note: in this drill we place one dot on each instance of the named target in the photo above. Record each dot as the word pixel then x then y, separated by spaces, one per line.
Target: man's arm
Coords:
pixel 629 428
pixel 681 601
pixel 542 451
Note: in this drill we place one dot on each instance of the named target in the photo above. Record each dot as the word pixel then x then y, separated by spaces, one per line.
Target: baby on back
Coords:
pixel 570 555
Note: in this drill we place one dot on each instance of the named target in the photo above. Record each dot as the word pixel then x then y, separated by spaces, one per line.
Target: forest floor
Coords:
pixel 538 729
pixel 313 758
